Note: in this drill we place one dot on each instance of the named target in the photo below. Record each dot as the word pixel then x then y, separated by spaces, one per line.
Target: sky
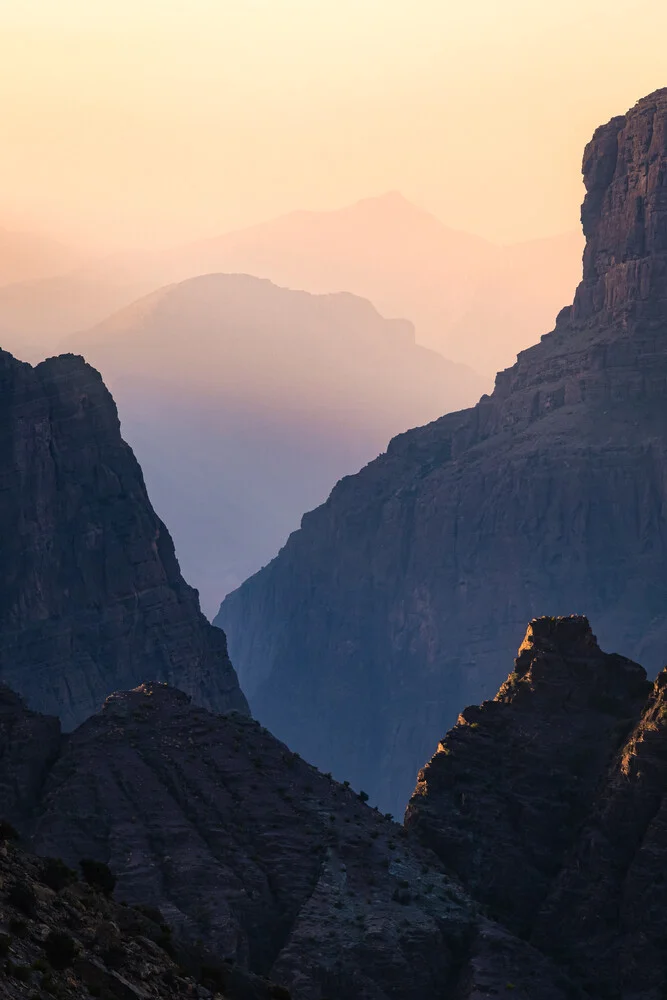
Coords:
pixel 151 122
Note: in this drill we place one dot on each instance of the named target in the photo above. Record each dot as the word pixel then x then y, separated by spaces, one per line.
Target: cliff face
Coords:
pixel 550 804
pixel 399 599
pixel 91 596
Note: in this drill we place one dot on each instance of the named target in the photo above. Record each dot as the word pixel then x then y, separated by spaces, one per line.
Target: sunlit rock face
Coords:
pixel 550 803
pixel 400 598
pixel 91 595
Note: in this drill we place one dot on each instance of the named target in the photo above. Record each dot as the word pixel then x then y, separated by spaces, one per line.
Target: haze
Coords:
pixel 145 122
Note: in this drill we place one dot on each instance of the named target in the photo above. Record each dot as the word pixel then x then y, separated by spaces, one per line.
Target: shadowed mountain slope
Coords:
pixel 400 597
pixel 255 858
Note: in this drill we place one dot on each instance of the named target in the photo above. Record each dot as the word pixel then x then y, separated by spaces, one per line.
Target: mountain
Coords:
pixel 472 301
pixel 91 597
pixel 398 599
pixel 245 402
pixel 216 830
pixel 550 801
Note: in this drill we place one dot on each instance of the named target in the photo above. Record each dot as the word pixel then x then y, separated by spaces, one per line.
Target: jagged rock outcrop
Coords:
pixel 550 804
pixel 91 595
pixel 256 859
pixel 400 598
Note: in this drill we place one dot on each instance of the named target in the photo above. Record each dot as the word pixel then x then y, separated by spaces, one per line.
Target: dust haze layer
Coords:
pixel 397 600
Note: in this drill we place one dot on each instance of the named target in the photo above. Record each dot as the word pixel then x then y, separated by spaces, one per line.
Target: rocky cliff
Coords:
pixel 550 804
pixel 399 599
pixel 91 595
pixel 259 861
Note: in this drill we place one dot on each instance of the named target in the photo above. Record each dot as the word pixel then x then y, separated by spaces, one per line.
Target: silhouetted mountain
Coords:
pixel 469 299
pixel 245 402
pixel 550 802
pixel 91 595
pixel 399 598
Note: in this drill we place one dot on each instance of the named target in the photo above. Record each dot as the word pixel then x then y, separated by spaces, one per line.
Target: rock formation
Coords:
pixel 259 861
pixel 399 599
pixel 550 804
pixel 91 595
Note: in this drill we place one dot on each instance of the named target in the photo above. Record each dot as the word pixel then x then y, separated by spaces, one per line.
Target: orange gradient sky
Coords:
pixel 142 122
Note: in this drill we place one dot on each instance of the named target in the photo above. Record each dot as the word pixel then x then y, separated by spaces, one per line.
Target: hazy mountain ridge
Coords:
pixel 432 555
pixel 246 401
pixel 473 301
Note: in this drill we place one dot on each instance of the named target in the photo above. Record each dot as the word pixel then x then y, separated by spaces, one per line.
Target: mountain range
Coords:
pixel 475 302
pixel 158 842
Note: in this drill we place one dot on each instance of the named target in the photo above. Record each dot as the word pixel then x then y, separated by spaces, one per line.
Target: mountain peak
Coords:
pixel 624 215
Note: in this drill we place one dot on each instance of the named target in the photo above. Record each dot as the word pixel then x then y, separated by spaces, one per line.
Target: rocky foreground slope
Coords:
pixel 62 937
pixel 531 859
pixel 400 598
pixel 255 858
pixel 550 804
pixel 91 595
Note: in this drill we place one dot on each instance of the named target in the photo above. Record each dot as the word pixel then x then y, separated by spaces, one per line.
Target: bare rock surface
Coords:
pixel 400 599
pixel 91 595
pixel 550 804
